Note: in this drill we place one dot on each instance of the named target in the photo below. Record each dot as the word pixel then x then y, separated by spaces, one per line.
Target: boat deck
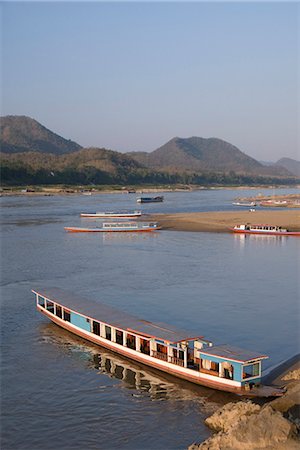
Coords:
pixel 114 317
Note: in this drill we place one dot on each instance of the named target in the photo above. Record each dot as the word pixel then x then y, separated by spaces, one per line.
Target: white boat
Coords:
pixel 112 214
pixel 274 203
pixel 247 204
pixel 158 345
pixel 263 230
pixel 117 227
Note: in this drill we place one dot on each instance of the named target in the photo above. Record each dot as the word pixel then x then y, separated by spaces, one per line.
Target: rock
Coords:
pixel 228 416
pixel 289 399
pixel 293 375
pixel 246 426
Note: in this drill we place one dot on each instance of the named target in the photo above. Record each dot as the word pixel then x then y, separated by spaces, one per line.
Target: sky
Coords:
pixel 130 76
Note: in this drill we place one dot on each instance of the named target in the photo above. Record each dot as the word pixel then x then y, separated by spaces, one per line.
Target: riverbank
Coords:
pixel 41 190
pixel 221 221
pixel 246 425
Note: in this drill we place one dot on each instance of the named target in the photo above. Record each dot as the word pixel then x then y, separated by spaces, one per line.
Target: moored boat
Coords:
pixel 274 203
pixel 117 226
pixel 157 199
pixel 112 214
pixel 247 204
pixel 263 230
pixel 158 345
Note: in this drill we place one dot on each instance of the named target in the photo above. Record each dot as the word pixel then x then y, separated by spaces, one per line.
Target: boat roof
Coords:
pixel 114 317
pixel 232 353
pixel 118 211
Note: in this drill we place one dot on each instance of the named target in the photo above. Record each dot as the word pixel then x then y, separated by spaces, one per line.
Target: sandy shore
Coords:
pixel 221 221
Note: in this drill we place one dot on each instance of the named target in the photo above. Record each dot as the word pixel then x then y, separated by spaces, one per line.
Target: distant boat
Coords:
pixel 108 214
pixel 158 345
pixel 274 203
pixel 117 227
pixel 247 204
pixel 263 230
pixel 150 199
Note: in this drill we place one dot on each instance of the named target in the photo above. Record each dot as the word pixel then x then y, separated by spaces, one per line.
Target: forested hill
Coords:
pixel 32 154
pixel 204 155
pixel 21 134
pixel 292 165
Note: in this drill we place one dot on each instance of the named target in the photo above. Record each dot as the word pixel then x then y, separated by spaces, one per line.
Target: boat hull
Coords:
pixel 247 205
pixel 177 371
pixel 103 230
pixel 267 233
pixel 109 216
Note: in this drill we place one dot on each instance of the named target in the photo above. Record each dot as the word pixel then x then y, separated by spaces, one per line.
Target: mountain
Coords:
pixel 33 154
pixel 23 134
pixel 292 165
pixel 203 155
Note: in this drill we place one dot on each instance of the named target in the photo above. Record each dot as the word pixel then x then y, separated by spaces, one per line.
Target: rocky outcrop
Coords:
pixel 293 375
pixel 247 426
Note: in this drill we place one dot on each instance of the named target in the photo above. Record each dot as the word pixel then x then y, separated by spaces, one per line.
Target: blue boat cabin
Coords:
pixel 232 363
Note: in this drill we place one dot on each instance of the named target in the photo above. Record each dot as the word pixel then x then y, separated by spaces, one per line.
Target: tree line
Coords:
pixel 18 175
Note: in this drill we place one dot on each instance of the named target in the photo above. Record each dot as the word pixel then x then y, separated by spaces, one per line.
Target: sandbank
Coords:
pixel 221 221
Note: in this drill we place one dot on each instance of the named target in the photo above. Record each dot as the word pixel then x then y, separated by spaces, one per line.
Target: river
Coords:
pixel 59 391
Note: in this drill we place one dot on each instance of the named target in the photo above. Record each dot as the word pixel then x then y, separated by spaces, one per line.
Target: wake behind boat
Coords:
pixel 112 214
pixel 117 226
pixel 263 230
pixel 159 345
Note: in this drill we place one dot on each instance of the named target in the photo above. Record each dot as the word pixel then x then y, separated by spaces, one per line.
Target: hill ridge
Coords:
pixel 20 134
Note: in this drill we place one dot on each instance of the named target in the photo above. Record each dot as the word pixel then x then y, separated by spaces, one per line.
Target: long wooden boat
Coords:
pixel 247 204
pixel 263 230
pixel 112 214
pixel 158 345
pixel 157 199
pixel 274 203
pixel 109 227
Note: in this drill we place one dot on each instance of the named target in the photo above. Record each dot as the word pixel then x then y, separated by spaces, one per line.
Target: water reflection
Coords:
pixel 243 239
pixel 132 236
pixel 143 380
pixel 31 222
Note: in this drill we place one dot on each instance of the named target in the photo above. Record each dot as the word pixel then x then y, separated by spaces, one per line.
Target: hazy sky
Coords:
pixel 130 76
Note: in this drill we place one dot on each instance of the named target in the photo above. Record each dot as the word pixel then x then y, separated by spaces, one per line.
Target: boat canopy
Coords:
pixel 231 353
pixel 110 316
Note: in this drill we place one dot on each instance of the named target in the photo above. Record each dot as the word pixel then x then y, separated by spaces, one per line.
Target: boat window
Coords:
pixel 228 370
pixel 145 346
pixel 96 328
pixel 108 332
pixel 251 370
pixel 59 311
pixel 41 301
pixel 131 341
pixel 67 315
pixel 208 366
pixel 119 337
pixel 50 306
pixel 161 348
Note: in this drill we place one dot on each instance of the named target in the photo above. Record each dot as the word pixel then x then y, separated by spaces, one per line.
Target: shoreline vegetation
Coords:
pixel 246 425
pixel 142 189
